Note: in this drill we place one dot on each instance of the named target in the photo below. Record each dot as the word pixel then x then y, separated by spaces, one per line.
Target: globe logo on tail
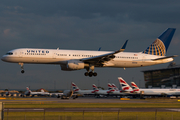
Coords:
pixel 156 48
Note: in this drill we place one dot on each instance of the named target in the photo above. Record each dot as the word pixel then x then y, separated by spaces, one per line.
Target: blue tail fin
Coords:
pixel 161 44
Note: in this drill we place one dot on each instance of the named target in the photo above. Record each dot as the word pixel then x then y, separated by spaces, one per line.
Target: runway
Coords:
pixel 78 100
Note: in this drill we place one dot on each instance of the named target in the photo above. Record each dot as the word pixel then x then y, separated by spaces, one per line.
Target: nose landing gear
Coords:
pixel 22 67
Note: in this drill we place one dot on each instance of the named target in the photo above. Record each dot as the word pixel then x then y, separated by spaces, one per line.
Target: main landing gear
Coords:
pixel 22 67
pixel 92 73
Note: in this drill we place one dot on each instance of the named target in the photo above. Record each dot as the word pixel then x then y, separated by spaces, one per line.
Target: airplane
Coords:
pixel 28 92
pixel 98 92
pixel 79 91
pixel 110 88
pixel 58 95
pixel 69 94
pixel 155 92
pixel 126 89
pixel 7 93
pixel 113 90
pixel 70 60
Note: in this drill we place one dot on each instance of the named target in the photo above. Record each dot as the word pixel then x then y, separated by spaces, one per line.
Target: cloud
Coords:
pixel 85 25
pixel 6 32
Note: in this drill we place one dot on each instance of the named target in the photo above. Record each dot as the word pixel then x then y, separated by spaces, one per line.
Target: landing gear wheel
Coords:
pixel 22 71
pixel 86 73
pixel 90 74
pixel 22 67
pixel 94 74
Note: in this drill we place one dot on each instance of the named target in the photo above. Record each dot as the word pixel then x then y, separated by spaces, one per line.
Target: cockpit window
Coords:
pixel 9 53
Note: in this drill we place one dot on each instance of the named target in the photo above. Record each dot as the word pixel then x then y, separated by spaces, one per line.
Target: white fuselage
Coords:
pixel 84 92
pixel 53 56
pixel 118 93
pixel 101 92
pixel 159 91
pixel 39 93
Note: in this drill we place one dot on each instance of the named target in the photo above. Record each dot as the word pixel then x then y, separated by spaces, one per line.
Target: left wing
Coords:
pixel 99 60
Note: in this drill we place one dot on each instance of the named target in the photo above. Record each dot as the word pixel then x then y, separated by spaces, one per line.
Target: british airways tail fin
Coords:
pixel 110 87
pixel 95 89
pixel 161 44
pixel 124 85
pixel 114 86
pixel 134 87
pixel 75 87
pixel 27 88
pixel 42 90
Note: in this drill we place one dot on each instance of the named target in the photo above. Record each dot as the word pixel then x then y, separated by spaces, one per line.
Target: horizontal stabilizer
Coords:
pixel 165 57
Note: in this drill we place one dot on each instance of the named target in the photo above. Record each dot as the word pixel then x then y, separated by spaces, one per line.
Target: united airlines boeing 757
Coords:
pixel 79 59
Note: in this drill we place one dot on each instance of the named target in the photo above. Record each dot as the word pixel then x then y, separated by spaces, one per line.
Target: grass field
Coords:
pixel 92 105
pixel 152 103
pixel 169 103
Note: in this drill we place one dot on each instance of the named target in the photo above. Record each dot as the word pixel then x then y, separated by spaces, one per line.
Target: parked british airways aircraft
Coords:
pixel 79 91
pixel 155 92
pixel 32 94
pixel 79 59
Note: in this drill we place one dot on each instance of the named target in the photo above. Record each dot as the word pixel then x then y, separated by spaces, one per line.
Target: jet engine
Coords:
pixel 73 65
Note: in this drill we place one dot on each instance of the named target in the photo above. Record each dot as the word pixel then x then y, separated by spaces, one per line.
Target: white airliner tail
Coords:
pixel 114 86
pixel 134 87
pixel 110 88
pixel 42 90
pixel 95 89
pixel 27 88
pixel 75 87
pixel 28 91
pixel 124 85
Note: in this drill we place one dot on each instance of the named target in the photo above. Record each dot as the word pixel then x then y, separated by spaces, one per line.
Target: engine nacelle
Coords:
pixel 73 65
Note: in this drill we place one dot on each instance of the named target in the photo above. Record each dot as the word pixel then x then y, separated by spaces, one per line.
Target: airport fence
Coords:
pixel 125 116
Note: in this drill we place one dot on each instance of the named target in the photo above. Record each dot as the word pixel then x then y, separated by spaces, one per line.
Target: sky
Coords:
pixel 82 25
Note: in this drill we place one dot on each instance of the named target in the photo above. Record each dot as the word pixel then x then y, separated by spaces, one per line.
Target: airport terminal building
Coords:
pixel 166 77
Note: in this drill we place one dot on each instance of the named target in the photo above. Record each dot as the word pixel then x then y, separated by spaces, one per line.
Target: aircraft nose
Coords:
pixel 3 58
